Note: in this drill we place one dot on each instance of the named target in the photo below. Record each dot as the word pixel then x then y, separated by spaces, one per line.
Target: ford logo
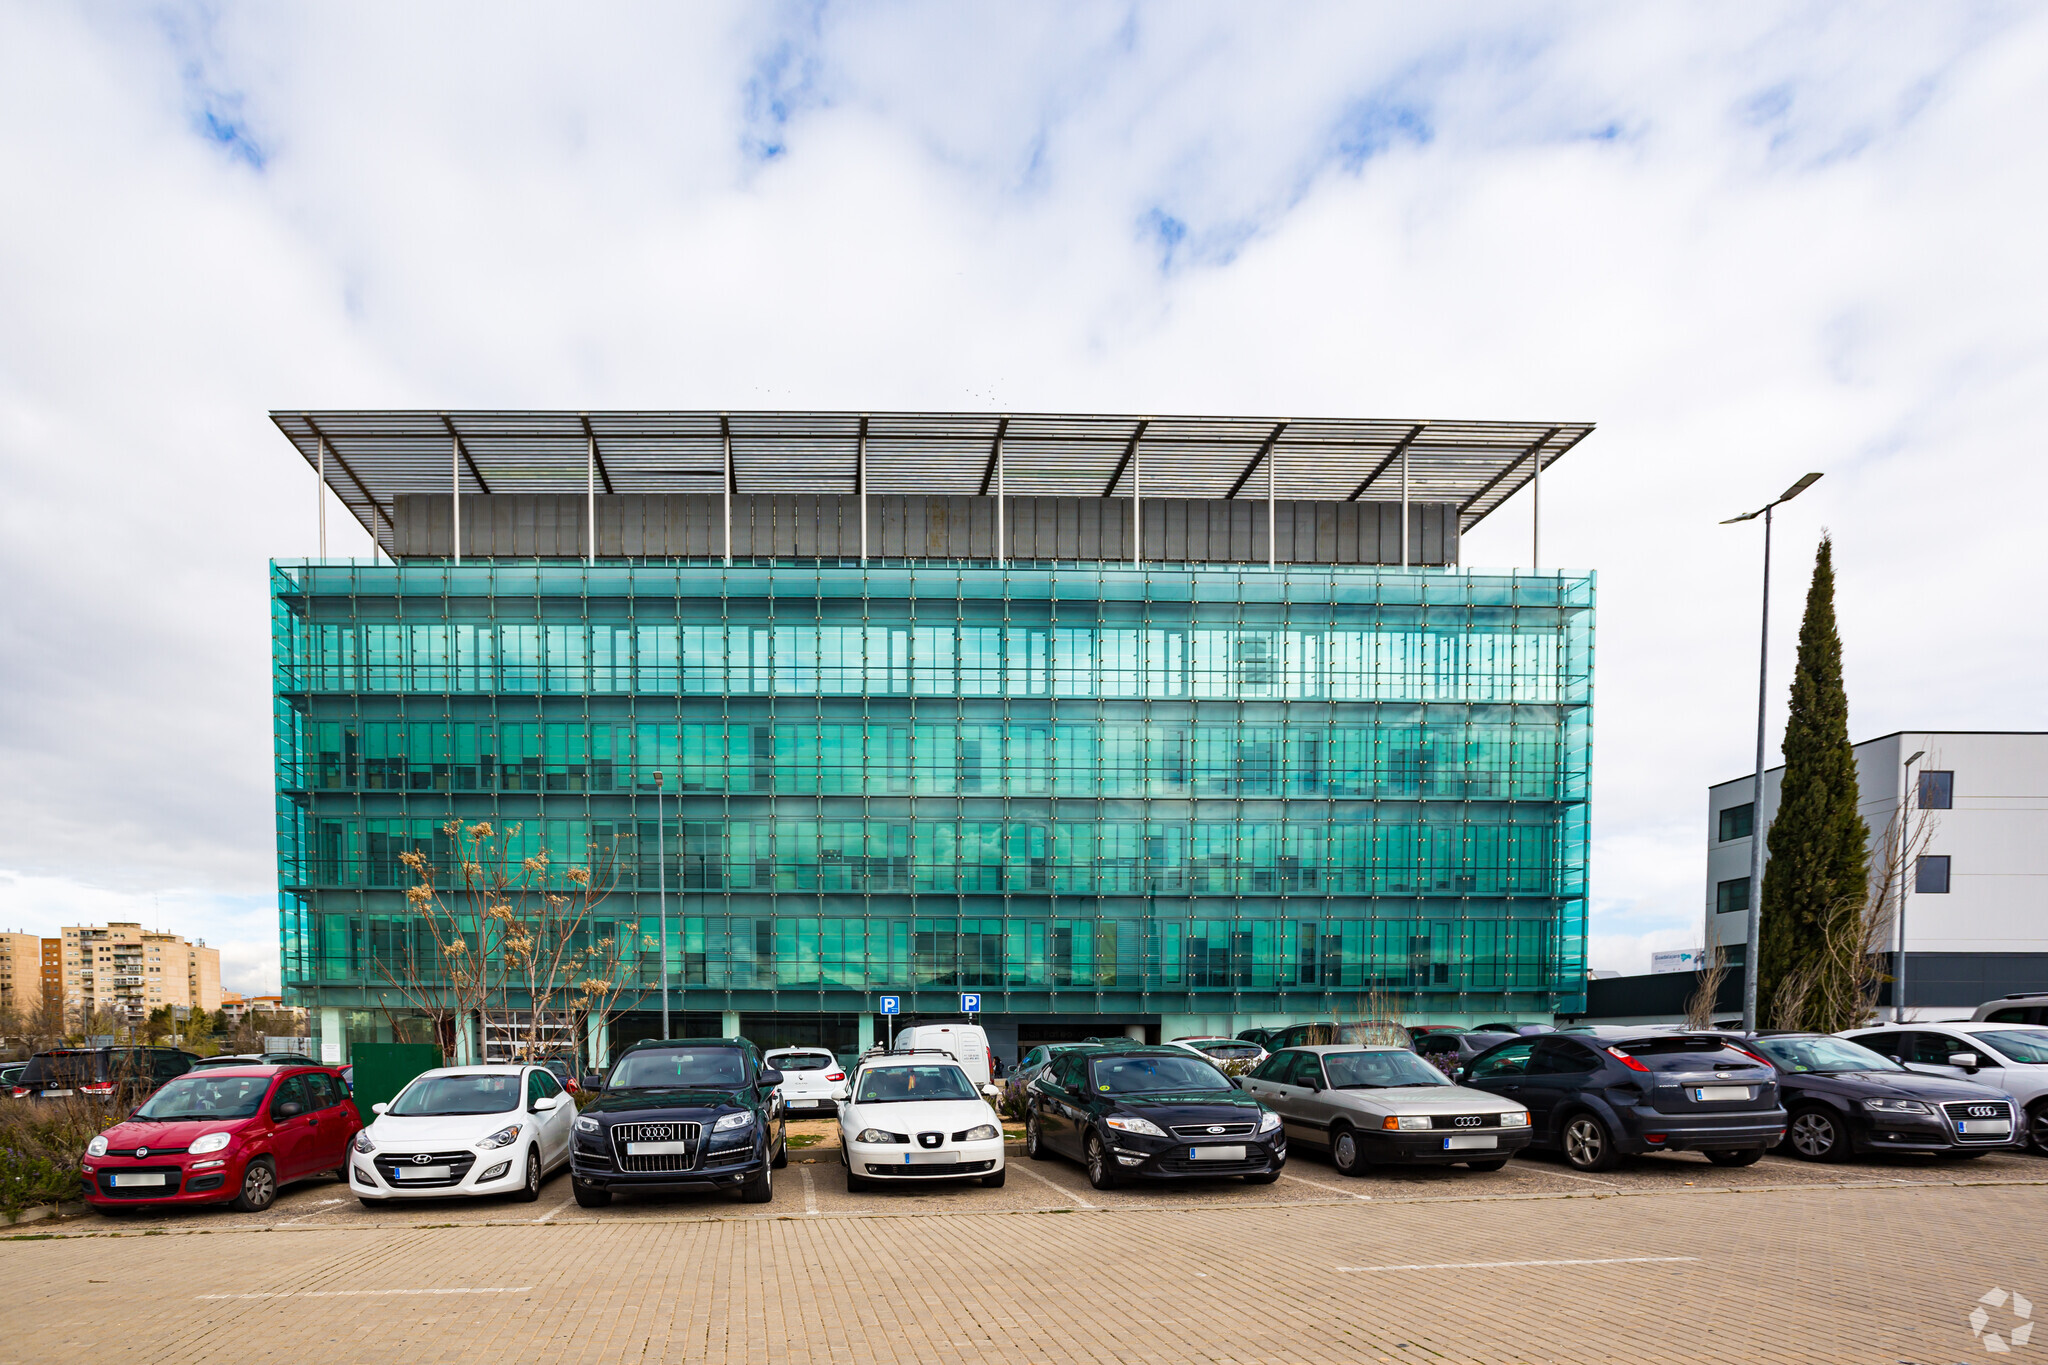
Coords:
pixel 144 1151
pixel 1215 1127
pixel 422 1159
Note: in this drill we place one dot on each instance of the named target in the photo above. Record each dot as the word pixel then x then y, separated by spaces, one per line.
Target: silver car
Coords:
pixel 1378 1105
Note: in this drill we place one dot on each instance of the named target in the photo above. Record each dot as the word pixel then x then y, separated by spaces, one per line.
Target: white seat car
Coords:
pixel 465 1130
pixel 917 1116
pixel 811 1079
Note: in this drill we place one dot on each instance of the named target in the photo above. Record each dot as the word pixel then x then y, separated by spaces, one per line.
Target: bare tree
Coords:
pixel 1699 1010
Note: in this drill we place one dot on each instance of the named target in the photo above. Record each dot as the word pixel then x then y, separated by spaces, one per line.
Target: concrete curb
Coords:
pixel 42 1211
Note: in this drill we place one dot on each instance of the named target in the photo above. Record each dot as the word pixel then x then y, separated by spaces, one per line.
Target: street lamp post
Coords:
pixel 1752 949
pixel 1905 888
pixel 661 882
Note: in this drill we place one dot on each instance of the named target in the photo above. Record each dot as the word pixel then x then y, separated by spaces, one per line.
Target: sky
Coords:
pixel 1746 241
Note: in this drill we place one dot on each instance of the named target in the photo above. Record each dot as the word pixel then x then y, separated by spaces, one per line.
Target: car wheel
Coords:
pixel 1345 1153
pixel 1499 1163
pixel 760 1188
pixel 781 1155
pixel 1034 1141
pixel 1739 1156
pixel 259 1187
pixel 854 1184
pixel 1101 1166
pixel 1587 1143
pixel 587 1198
pixel 529 1188
pixel 1816 1134
pixel 2037 1127
pixel 994 1179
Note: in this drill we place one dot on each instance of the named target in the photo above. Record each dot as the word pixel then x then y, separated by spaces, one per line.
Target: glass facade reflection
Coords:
pixel 1078 790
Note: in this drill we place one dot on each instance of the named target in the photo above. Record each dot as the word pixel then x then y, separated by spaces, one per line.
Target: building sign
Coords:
pixel 1678 960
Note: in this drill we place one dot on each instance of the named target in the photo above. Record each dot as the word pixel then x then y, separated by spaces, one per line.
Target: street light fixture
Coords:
pixel 1752 950
pixel 1905 887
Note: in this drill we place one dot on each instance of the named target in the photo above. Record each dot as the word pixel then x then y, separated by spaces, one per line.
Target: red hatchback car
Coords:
pixel 230 1135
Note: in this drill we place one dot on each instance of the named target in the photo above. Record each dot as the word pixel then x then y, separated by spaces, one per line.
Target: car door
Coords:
pixel 1503 1071
pixel 329 1114
pixel 1061 1112
pixel 1557 1069
pixel 1886 1043
pixel 551 1124
pixel 292 1132
pixel 1929 1050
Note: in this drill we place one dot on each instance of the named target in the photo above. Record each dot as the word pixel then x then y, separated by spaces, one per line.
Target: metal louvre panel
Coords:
pixel 458 1164
pixel 623 1133
pixel 1971 1111
pixel 1464 1121
pixel 1204 1130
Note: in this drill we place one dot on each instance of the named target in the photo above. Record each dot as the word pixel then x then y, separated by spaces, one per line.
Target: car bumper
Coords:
pixel 367 1178
pixel 1892 1133
pixel 1700 1132
pixel 808 1106
pixel 889 1161
pixel 198 1180
pixel 594 1171
pixel 1429 1149
pixel 1175 1159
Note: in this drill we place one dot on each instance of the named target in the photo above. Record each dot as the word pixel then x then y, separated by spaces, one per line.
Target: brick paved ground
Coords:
pixel 1782 1261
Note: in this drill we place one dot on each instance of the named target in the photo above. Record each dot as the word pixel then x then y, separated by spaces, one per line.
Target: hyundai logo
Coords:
pixel 1977 1111
pixel 1468 1121
pixel 1215 1127
pixel 422 1159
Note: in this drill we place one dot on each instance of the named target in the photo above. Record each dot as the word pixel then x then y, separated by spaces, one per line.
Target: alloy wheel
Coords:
pixel 259 1187
pixel 1813 1135
pixel 2037 1128
pixel 1344 1152
pixel 1097 1160
pixel 1584 1142
pixel 1033 1142
pixel 532 1175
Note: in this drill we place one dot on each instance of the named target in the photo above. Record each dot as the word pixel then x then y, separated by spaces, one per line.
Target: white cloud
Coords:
pixel 1747 242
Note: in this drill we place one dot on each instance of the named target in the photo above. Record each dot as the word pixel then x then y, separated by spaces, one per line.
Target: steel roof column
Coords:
pixel 1001 556
pixel 860 486
pixel 321 497
pixel 1536 511
pixel 725 429
pixel 1137 502
pixel 590 500
pixel 455 485
pixel 1272 460
pixel 1404 505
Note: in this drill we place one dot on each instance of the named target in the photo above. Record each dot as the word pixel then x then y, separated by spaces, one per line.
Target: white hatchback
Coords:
pixel 917 1117
pixel 465 1130
pixel 811 1078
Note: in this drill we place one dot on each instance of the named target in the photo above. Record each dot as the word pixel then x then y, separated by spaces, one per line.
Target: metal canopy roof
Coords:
pixel 372 457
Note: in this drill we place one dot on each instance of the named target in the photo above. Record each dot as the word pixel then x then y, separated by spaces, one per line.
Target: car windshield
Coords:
pixel 682 1068
pixel 891 1084
pixel 1823 1054
pixel 206 1097
pixel 1379 1070
pixel 51 1070
pixel 2018 1044
pixel 216 1063
pixel 800 1061
pixel 442 1096
pixel 1155 1075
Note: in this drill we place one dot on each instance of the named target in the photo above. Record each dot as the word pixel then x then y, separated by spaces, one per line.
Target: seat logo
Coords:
pixel 422 1159
pixel 930 1139
pixel 1468 1121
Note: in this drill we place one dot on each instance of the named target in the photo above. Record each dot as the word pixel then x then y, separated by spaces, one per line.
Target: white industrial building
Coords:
pixel 1976 896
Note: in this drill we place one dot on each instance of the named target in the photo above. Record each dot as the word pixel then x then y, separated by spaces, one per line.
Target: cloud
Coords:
pixel 1746 242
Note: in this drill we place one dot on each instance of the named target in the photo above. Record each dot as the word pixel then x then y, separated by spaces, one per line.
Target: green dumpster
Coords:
pixel 384 1069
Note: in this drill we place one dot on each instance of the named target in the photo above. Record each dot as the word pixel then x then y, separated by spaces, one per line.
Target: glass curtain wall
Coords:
pixel 1075 790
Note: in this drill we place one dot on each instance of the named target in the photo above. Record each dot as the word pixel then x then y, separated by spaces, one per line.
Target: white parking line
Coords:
pixel 810 1192
pixel 1590 1180
pixel 363 1293
pixel 1020 1166
pixel 321 1207
pixel 1304 1180
pixel 1497 1265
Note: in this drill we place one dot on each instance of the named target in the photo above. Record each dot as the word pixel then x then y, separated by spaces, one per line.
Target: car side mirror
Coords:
pixel 379 1107
pixel 545 1103
pixel 841 1095
pixel 770 1077
pixel 1461 1073
pixel 290 1109
pixel 1966 1060
pixel 994 1092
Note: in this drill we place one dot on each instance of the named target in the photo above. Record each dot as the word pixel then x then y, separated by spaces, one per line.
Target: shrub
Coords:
pixel 41 1144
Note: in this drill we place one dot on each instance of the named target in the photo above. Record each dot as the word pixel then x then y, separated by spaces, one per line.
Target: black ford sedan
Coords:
pixel 1844 1099
pixel 681 1115
pixel 1150 1113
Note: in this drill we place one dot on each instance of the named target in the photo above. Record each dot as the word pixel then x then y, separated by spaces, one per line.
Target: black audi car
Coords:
pixel 1149 1113
pixel 1843 1099
pixel 1603 1093
pixel 679 1115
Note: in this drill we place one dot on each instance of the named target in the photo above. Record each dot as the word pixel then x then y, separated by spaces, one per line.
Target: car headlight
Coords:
pixel 1269 1122
pixel 97 1147
pixel 504 1137
pixel 1406 1123
pixel 363 1142
pixel 1518 1119
pixel 986 1132
pixel 211 1142
pixel 586 1124
pixel 733 1122
pixel 1131 1124
pixel 877 1135
pixel 1897 1106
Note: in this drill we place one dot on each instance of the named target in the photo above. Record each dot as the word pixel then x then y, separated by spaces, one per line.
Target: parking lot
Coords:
pixel 1668 1258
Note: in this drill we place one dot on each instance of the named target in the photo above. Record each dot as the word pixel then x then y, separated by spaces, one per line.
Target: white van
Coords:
pixel 966 1042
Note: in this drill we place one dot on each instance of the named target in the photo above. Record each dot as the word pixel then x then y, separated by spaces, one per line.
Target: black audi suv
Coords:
pixel 680 1115
pixel 1149 1113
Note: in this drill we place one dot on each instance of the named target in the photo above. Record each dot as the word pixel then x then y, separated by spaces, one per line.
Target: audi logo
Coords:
pixel 1977 1111
pixel 1469 1121
pixel 1215 1128
pixel 422 1159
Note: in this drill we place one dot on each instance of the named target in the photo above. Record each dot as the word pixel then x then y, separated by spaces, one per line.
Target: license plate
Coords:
pixel 55 1094
pixel 931 1158
pixel 420 1172
pixel 803 1104
pixel 657 1149
pixel 1986 1127
pixel 139 1178
pixel 1216 1154
pixel 1471 1142
pixel 1709 1094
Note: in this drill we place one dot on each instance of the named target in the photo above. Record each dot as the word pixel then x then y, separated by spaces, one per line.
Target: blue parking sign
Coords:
pixel 892 1004
pixel 970 1004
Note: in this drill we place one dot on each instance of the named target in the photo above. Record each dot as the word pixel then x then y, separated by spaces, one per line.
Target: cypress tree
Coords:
pixel 1818 845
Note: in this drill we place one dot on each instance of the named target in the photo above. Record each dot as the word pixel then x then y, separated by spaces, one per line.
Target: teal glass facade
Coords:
pixel 1080 790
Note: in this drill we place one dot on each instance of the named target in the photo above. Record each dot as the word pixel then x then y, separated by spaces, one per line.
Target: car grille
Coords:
pixel 1978 1111
pixel 169 1187
pixel 1465 1121
pixel 145 1151
pixel 1202 1130
pixel 956 1168
pixel 623 1133
pixel 1183 1166
pixel 458 1164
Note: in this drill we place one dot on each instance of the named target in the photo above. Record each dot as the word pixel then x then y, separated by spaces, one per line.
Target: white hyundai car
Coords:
pixel 917 1116
pixel 811 1079
pixel 467 1130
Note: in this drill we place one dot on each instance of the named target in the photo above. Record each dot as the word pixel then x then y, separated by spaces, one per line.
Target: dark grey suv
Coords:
pixel 681 1115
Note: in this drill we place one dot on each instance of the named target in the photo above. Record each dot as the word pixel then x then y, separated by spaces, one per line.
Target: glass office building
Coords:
pixel 1163 763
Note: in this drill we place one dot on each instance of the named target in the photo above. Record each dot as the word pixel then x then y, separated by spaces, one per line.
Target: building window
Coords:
pixel 1937 790
pixel 1732 894
pixel 1738 822
pixel 1930 875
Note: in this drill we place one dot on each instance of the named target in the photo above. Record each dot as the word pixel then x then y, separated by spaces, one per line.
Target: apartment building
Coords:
pixel 131 971
pixel 21 971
